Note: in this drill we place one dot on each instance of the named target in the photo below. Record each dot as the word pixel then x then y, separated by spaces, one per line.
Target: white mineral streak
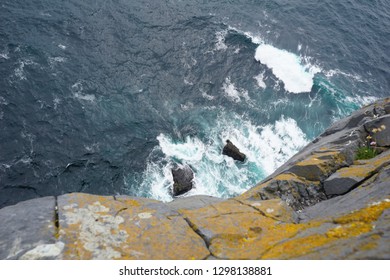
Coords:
pixel 44 251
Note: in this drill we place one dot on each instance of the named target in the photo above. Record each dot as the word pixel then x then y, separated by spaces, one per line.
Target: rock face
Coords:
pixel 232 151
pixel 321 204
pixel 182 180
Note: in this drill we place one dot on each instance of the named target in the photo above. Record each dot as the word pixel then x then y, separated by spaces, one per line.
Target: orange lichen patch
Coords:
pixel 318 165
pixel 253 243
pixel 365 168
pixel 102 228
pixel 244 233
pixel 349 230
pixel 366 215
pixel 372 243
pixel 273 208
pixel 348 226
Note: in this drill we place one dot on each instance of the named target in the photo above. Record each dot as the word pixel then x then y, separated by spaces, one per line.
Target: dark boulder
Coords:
pixel 233 152
pixel 182 180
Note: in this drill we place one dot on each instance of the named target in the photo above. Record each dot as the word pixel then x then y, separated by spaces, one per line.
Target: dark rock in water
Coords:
pixel 182 178
pixel 233 152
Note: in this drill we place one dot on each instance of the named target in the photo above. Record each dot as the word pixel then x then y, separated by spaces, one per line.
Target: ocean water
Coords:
pixel 105 96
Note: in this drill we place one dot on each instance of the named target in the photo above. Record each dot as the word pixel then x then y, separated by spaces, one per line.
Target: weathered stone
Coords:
pixel 232 151
pixel 273 208
pixel 297 192
pixel 236 231
pixel 26 226
pixel 182 180
pixel 319 166
pixel 371 191
pixel 192 202
pixel 341 238
pixel 379 129
pixel 97 227
pixel 347 178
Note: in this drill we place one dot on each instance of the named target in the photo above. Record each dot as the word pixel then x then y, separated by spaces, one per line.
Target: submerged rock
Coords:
pixel 232 151
pixel 182 180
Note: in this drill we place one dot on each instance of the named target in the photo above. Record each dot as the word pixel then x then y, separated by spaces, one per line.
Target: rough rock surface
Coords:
pixel 25 226
pixel 182 180
pixel 321 204
pixel 232 151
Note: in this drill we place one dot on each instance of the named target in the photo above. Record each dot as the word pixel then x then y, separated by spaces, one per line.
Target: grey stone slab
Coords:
pixel 192 202
pixel 25 226
pixel 379 129
pixel 354 200
pixel 336 185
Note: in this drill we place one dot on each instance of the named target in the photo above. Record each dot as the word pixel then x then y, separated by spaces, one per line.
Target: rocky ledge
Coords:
pixel 323 203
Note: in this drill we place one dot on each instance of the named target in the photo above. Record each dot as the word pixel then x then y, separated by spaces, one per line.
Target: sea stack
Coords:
pixel 182 180
pixel 232 151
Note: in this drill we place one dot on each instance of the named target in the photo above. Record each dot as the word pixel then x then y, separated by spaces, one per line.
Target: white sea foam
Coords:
pixel 256 39
pixel 233 93
pixel 19 71
pixel 220 40
pixel 332 73
pixel 361 100
pixel 62 47
pixel 266 147
pixel 260 80
pixel 77 90
pixel 57 59
pixel 187 82
pixel 288 67
pixel 207 96
pixel 4 55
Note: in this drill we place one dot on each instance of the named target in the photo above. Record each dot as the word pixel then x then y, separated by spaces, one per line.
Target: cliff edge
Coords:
pixel 329 201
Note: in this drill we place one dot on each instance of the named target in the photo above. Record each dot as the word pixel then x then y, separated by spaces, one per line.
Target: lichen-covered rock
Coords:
pixel 319 166
pixel 340 237
pixel 297 192
pixel 237 231
pixel 344 179
pixel 96 227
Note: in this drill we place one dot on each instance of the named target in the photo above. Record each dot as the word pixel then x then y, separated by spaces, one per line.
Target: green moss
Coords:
pixel 366 153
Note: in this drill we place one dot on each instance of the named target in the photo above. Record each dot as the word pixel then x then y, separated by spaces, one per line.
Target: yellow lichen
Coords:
pixel 348 226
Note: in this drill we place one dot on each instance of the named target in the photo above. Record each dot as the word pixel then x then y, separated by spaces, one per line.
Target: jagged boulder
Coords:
pixel 182 180
pixel 232 151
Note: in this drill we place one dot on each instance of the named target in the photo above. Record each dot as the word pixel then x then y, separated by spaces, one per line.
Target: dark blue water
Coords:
pixel 105 96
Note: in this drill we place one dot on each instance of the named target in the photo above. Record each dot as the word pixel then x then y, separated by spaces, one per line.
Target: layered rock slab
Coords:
pixel 344 179
pixel 296 191
pixel 234 230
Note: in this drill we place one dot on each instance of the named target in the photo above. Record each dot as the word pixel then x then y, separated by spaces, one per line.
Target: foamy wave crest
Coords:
pixel 233 93
pixel 77 90
pixel 361 100
pixel 288 67
pixel 266 147
pixel 220 43
pixel 260 80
